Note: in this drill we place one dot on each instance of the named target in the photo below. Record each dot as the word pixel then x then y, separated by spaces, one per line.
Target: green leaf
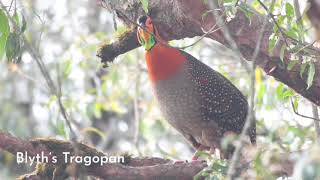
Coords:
pixel 13 46
pixel 292 33
pixel 67 67
pixel 95 131
pixel 4 32
pixel 311 74
pixel 97 110
pixel 202 154
pixel 20 22
pixel 60 128
pixel 289 10
pixel 302 69
pixel 145 5
pixel 287 93
pixel 296 103
pixel 52 99
pixel 24 24
pixel 280 21
pixel 246 10
pixel 291 64
pixel 16 18
pixel 279 91
pixel 282 51
pixel 272 42
pixel 261 92
pixel 296 131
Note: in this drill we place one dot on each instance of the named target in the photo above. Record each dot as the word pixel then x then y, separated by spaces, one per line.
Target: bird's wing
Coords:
pixel 220 101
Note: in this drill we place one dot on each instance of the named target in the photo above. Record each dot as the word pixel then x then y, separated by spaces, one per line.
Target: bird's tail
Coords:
pixel 252 132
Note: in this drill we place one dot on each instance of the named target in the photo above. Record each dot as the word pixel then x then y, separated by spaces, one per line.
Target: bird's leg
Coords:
pixel 195 156
pixel 217 152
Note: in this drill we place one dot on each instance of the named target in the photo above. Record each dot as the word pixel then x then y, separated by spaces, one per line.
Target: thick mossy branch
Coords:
pixel 127 42
pixel 178 19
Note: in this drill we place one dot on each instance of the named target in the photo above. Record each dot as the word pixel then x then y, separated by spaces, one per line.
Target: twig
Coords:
pixel 236 4
pixel 297 113
pixel 136 103
pixel 315 113
pixel 10 5
pixel 304 47
pixel 35 55
pixel 250 117
pixel 227 35
pixel 275 22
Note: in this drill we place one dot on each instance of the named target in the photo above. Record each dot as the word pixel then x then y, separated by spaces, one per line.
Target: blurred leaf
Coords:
pixel 121 30
pixel 309 172
pixel 13 46
pixel 95 131
pixel 60 127
pixel 16 19
pixel 145 5
pixel 291 64
pixel 97 109
pixel 282 51
pixel 261 92
pixel 280 21
pixel 24 24
pixel 52 99
pixel 287 93
pixel 20 22
pixel 289 10
pixel 68 103
pixel 296 103
pixel 258 74
pixel 279 91
pixel 248 12
pixel 311 74
pixel 292 33
pixel 67 67
pixel 202 154
pixel 4 32
pixel 272 43
pixel 220 167
pixel 302 69
pixel 296 131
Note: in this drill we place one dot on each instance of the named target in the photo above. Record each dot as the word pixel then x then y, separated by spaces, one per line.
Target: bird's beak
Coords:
pixel 143 34
pixel 142 25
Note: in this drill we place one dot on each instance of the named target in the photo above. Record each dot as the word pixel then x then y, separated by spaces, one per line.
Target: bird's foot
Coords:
pixel 195 157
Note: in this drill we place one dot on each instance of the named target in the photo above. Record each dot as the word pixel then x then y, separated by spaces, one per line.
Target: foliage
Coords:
pixel 4 32
pixel 145 5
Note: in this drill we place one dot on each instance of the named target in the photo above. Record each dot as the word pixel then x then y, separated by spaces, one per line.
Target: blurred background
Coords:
pixel 113 108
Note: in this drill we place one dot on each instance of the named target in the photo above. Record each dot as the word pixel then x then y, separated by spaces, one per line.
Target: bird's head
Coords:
pixel 146 38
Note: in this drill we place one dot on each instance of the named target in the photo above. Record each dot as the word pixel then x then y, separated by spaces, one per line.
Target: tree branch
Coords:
pixel 131 169
pixel 178 19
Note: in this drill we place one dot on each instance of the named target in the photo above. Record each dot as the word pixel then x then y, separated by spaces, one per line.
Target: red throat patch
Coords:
pixel 163 62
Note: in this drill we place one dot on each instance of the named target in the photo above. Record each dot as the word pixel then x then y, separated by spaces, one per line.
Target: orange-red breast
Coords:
pixel 196 100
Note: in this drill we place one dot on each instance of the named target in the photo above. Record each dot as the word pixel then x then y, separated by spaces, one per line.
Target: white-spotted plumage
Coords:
pixel 202 104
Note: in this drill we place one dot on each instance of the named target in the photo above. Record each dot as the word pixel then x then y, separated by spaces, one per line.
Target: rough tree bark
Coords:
pixel 178 19
pixel 131 169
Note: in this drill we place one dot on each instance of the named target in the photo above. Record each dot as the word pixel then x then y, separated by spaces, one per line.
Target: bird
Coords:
pixel 199 102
